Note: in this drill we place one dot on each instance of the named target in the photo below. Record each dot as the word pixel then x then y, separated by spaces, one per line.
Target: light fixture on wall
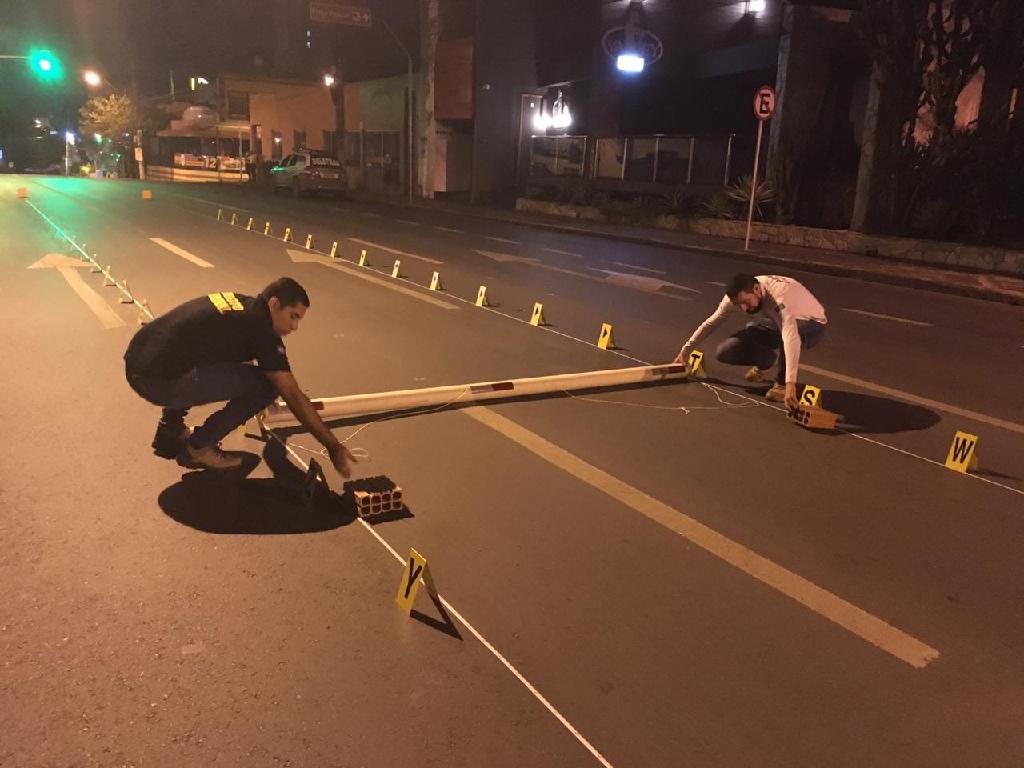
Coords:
pixel 754 7
pixel 632 46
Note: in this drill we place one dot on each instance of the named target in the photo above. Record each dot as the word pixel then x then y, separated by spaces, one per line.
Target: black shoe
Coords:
pixel 211 457
pixel 170 439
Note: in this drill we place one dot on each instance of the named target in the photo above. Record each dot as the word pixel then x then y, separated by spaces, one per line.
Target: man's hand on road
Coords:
pixel 340 458
pixel 792 402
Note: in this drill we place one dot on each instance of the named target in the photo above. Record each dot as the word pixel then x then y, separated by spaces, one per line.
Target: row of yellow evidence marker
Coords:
pixel 605 340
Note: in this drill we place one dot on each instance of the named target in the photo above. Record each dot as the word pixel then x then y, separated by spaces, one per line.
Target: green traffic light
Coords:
pixel 45 66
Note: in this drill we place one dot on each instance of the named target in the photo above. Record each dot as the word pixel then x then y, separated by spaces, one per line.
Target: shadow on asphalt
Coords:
pixel 232 502
pixel 444 624
pixel 878 415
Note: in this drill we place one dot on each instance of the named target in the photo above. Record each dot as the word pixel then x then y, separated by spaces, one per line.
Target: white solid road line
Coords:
pixel 182 252
pixel 563 253
pixel 832 607
pixel 715 282
pixel 474 631
pixel 407 221
pixel 450 229
pixel 899 394
pixel 887 317
pixel 502 240
pixel 368 275
pixel 642 269
pixel 395 251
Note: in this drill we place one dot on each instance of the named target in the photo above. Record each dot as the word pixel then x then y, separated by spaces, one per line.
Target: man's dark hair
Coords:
pixel 288 292
pixel 740 282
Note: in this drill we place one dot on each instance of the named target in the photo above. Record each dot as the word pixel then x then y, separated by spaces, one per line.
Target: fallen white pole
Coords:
pixel 384 402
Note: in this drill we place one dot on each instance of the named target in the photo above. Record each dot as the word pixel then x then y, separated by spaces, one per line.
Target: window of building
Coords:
pixel 238 105
pixel 298 140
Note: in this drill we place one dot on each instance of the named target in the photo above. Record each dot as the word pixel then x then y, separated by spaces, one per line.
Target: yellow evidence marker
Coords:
pixel 362 258
pixel 396 270
pixel 334 249
pixel 309 242
pixel 538 314
pixel 481 297
pixel 266 229
pixel 234 219
pixel 147 194
pixel 435 282
pixel 696 364
pixel 963 453
pixel 287 235
pixel 416 569
pixel 810 395
pixel 248 225
pixel 607 339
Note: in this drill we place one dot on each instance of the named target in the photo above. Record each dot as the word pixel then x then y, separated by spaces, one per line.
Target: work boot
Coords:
pixel 756 375
pixel 777 394
pixel 170 439
pixel 209 457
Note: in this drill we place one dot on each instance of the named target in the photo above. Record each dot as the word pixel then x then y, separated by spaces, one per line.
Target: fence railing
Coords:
pixel 670 160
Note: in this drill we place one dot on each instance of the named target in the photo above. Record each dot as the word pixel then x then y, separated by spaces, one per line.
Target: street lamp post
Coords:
pixel 409 108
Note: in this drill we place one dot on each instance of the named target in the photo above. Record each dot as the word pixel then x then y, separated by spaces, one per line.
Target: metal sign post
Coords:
pixel 764 108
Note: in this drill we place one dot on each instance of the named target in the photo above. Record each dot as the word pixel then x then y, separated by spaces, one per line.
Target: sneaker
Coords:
pixel 756 375
pixel 210 457
pixel 170 439
pixel 777 394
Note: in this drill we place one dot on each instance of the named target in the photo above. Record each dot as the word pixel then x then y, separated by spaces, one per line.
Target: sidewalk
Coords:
pixel 991 287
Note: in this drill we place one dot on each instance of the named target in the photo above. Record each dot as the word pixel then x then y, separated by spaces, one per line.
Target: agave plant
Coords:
pixel 732 200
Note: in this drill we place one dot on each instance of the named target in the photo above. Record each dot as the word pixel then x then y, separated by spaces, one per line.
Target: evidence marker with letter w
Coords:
pixel 963 453
pixel 415 570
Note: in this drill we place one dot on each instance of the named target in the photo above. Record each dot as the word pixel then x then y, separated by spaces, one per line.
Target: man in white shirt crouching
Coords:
pixel 791 320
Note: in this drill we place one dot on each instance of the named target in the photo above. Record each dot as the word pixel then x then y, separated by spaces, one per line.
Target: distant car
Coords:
pixel 309 171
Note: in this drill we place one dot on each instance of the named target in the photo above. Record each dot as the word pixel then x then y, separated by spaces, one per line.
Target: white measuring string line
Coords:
pixel 465 622
pixel 685 409
pixel 89 258
pixel 725 391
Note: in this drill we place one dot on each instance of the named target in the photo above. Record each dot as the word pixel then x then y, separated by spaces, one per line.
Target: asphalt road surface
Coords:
pixel 660 576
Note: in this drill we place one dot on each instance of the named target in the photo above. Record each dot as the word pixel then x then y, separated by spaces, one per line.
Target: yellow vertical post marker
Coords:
pixel 607 339
pixel 362 258
pixel 395 271
pixel 481 297
pixel 220 214
pixel 248 225
pixel 810 395
pixel 435 282
pixel 266 229
pixel 234 219
pixel 147 194
pixel 537 318
pixel 334 249
pixel 696 363
pixel 415 570
pixel 287 235
pixel 309 242
pixel 963 453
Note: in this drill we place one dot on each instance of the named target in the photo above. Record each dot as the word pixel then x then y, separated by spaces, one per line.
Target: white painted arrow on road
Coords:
pixel 494 256
pixel 67 267
pixel 642 282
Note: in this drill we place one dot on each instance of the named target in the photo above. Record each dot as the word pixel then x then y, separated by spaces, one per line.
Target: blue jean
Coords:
pixel 758 343
pixel 245 387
